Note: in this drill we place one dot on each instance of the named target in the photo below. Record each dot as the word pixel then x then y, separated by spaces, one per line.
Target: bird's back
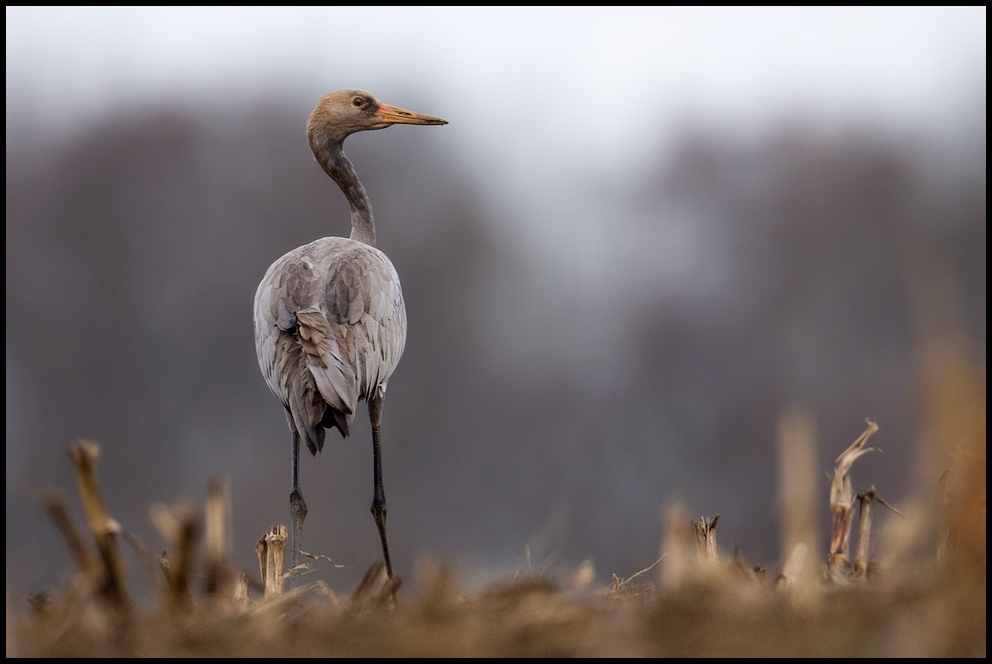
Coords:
pixel 330 326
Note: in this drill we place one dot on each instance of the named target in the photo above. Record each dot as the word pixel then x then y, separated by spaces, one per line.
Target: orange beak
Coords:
pixel 392 115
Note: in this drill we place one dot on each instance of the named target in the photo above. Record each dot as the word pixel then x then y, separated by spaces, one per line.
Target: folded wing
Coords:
pixel 330 327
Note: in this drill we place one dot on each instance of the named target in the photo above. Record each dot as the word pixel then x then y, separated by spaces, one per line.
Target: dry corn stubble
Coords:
pixel 704 603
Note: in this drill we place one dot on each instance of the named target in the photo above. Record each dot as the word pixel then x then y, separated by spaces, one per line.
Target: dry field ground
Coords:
pixel 921 593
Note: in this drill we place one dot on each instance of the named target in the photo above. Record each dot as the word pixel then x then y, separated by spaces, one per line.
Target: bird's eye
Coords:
pixel 358 101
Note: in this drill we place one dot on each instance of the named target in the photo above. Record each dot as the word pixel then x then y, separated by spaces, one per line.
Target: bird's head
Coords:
pixel 343 112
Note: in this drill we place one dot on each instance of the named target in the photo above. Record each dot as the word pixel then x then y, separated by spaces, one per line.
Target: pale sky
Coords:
pixel 594 83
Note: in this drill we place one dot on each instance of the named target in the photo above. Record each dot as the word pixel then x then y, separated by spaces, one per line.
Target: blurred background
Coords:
pixel 643 234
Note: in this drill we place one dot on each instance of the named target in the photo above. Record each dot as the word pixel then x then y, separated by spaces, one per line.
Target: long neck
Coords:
pixel 332 158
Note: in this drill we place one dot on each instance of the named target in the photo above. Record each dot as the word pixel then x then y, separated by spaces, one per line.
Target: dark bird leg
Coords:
pixel 378 496
pixel 298 509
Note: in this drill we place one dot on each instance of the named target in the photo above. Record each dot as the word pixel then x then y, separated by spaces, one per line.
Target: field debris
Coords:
pixel 700 602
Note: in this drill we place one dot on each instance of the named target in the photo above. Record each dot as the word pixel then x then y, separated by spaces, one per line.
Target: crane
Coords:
pixel 330 322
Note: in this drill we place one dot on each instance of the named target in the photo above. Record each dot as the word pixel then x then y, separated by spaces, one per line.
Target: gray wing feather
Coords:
pixel 330 327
